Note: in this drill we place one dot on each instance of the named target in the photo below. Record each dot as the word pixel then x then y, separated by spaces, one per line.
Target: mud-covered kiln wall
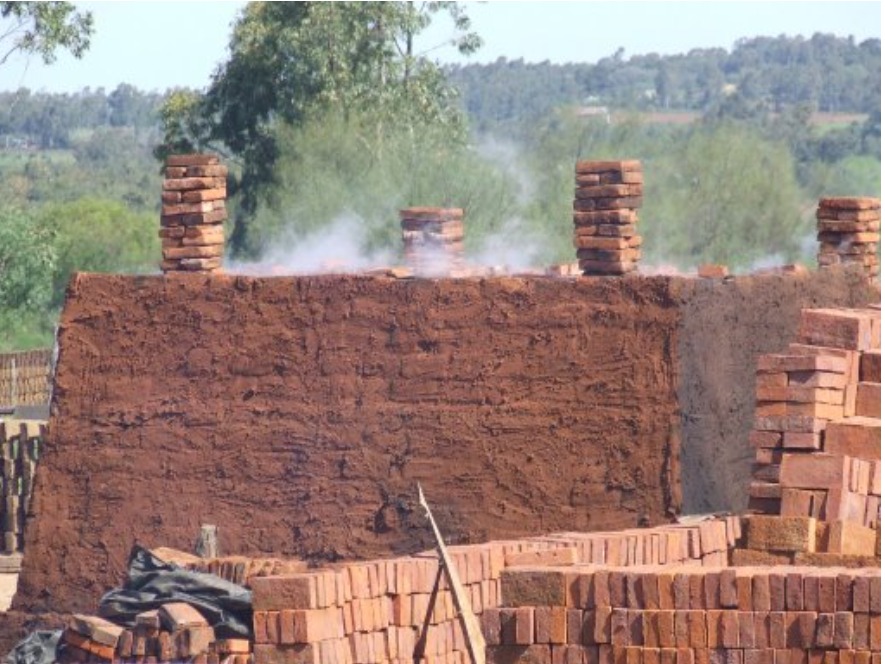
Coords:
pixel 724 326
pixel 298 414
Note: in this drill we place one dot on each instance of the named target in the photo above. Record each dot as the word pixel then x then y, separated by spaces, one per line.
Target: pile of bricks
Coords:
pixel 433 239
pixel 175 632
pixel 21 443
pixel 192 232
pixel 607 197
pixel 381 611
pixel 818 428
pixel 677 615
pixel 25 378
pixel 848 230
pixel 242 570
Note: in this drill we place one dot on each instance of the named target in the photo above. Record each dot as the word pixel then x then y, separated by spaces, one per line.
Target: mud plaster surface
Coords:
pixel 298 414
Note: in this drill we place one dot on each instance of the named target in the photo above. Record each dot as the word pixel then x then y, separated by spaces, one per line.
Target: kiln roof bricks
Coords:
pixel 607 196
pixel 194 194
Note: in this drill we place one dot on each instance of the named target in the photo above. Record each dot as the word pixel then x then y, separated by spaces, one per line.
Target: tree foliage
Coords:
pixel 294 61
pixel 42 28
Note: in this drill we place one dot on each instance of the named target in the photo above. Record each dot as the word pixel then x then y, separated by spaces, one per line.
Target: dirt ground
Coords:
pixel 298 414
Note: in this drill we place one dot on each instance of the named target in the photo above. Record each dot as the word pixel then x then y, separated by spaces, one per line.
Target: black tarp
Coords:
pixel 151 583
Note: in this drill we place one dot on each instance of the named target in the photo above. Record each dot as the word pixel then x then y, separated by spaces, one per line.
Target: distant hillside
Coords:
pixel 829 73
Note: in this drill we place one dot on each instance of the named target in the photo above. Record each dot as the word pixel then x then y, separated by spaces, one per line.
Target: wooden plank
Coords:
pixel 475 642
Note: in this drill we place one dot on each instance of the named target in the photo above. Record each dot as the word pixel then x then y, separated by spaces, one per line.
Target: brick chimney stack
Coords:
pixel 194 194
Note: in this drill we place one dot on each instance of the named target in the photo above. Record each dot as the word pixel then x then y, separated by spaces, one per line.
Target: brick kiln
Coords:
pixel 298 413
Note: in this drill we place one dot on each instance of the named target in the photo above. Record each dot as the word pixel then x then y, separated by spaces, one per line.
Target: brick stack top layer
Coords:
pixel 848 230
pixel 607 195
pixel 433 239
pixel 194 194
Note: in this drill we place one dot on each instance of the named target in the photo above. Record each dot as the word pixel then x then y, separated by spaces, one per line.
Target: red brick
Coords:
pixel 843 629
pixel 633 581
pixel 272 625
pixel 712 599
pixel 729 634
pixel 761 629
pixel 832 328
pixel 776 363
pixel 507 618
pixel 600 586
pixel 871 366
pixel 602 624
pixel 823 631
pixel 844 505
pixel 617 589
pixel 697 629
pixel 681 592
pixel 876 633
pixel 854 436
pixel 696 597
pixel 490 624
pixel 777 629
pixel 272 593
pixel 715 628
pixel 525 626
pixel 814 471
pixel 744 583
pixel 876 593
pixel 761 592
pixel 575 626
pixel 869 400
pixel 620 635
pixel 668 655
pixel 746 630
pixel 844 601
pixel 758 656
pixel 651 656
pixel 681 629
pixel 510 654
pixel 684 656
pixel 861 594
pixel 259 626
pixel 800 629
pixel 666 626
pixel 666 598
pixel 782 656
pixel 728 598
pixel 861 631
pixel 556 556
pixel 533 587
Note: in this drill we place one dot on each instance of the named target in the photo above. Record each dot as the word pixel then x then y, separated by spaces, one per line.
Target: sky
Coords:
pixel 162 45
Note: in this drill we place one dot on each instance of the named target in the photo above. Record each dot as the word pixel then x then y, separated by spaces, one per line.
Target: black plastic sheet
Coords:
pixel 36 648
pixel 152 582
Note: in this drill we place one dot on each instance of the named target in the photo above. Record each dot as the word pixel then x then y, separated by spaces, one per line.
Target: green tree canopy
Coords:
pixel 292 61
pixel 42 28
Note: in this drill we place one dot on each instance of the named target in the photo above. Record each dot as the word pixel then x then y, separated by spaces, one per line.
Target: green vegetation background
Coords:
pixel 737 146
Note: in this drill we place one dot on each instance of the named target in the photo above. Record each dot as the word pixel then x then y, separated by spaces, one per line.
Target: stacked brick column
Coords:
pixel 192 232
pixel 848 230
pixel 818 431
pixel 607 196
pixel 20 447
pixel 433 239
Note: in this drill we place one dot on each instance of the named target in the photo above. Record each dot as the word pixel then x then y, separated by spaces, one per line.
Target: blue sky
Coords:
pixel 160 45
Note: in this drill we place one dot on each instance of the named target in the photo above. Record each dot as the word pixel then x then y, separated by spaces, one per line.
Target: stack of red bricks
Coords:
pixel 241 570
pixel 848 230
pixel 818 425
pixel 375 611
pixel 433 239
pixel 175 632
pixel 21 444
pixel 192 232
pixel 607 197
pixel 673 615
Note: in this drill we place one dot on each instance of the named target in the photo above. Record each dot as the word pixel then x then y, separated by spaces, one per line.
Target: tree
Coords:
pixel 43 27
pixel 292 61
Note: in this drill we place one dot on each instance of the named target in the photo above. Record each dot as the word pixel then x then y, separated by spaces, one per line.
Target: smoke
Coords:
pixel 516 247
pixel 336 248
pixel 507 158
